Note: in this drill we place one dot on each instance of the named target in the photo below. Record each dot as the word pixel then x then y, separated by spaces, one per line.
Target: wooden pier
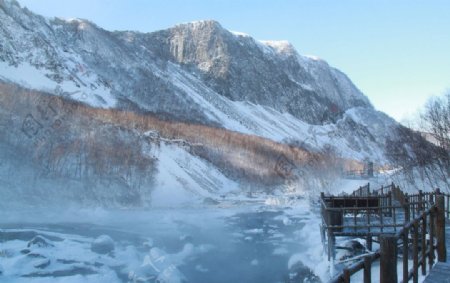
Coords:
pixel 409 226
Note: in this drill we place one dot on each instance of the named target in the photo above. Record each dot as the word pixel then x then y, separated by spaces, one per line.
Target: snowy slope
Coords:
pixel 197 72
pixel 184 179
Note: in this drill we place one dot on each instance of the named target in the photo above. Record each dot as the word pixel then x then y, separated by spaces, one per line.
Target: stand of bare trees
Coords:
pixel 426 152
pixel 63 142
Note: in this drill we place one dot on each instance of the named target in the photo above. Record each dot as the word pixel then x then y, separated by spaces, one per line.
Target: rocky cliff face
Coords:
pixel 267 73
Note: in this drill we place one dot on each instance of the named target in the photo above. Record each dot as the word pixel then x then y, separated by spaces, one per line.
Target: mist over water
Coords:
pixel 241 243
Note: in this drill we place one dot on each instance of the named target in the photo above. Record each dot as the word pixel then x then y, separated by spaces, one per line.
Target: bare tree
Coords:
pixel 436 121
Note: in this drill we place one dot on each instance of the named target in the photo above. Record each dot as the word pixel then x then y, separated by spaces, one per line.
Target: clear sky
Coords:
pixel 396 51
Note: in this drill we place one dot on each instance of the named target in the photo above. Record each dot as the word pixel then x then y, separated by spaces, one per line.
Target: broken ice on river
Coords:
pixel 275 240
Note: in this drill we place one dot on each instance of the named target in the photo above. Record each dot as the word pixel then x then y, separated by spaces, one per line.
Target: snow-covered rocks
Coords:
pixel 42 263
pixel 42 256
pixel 298 271
pixel 104 244
pixel 350 249
pixel 40 242
pixel 159 266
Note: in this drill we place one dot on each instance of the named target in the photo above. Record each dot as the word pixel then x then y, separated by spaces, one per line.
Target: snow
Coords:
pixel 250 118
pixel 33 78
pixel 176 183
pixel 26 75
pixel 103 244
pixel 313 57
pixel 240 34
pixel 281 46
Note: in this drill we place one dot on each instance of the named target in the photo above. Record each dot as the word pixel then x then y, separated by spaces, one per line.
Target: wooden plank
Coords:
pixel 440 273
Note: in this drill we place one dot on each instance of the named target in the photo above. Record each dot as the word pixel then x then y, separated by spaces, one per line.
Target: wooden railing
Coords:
pixel 430 222
pixel 362 191
pixel 384 189
pixel 335 209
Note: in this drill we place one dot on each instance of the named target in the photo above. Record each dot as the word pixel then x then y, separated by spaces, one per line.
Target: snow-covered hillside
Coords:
pixel 198 72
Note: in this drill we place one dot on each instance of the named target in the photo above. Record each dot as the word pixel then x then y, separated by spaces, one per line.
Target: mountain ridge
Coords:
pixel 202 78
pixel 217 73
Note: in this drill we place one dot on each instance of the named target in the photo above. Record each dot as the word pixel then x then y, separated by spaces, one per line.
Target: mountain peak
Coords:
pixel 202 27
pixel 280 46
pixel 200 24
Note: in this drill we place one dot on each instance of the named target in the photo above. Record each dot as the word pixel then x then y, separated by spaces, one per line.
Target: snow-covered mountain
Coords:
pixel 197 73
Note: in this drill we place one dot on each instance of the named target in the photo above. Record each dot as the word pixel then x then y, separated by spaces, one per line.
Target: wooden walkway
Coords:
pixel 410 225
pixel 440 273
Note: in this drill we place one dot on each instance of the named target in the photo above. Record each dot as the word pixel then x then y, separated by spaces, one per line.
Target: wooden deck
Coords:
pixel 439 274
pixel 441 270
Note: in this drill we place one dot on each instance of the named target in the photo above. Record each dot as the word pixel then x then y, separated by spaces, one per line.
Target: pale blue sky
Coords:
pixel 396 52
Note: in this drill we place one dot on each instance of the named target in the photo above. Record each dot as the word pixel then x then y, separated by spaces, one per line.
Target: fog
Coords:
pixel 276 240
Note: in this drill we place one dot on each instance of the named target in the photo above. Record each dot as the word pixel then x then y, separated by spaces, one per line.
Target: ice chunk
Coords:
pixel 102 245
pixel 43 263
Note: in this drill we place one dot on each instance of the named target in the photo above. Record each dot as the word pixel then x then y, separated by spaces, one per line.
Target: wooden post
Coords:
pixel 367 270
pixel 388 260
pixel 416 253
pixel 423 243
pixel 420 206
pixel 331 254
pixel 431 254
pixel 381 219
pixel 346 275
pixel 405 254
pixel 369 242
pixel 322 233
pixel 440 227
pixel 390 202
pixel 395 219
pixel 407 210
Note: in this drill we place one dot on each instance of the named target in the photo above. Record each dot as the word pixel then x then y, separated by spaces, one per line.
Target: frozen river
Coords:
pixel 245 242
